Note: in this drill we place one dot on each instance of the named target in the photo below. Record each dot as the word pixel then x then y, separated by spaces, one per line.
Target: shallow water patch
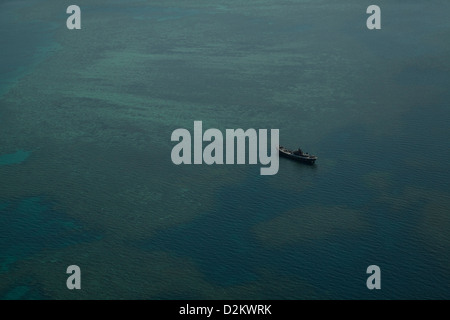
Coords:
pixel 14 158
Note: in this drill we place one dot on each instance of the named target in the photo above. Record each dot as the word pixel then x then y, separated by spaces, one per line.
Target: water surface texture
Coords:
pixel 86 176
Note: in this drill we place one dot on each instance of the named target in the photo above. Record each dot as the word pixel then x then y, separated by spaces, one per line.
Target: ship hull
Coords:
pixel 302 159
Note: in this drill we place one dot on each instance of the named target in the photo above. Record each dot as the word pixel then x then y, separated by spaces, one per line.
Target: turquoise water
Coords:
pixel 86 176
pixel 13 158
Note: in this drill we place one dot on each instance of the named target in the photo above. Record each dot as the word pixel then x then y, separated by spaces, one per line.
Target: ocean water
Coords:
pixel 86 176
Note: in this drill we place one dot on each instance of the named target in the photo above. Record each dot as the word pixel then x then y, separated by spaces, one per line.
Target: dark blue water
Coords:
pixel 29 226
pixel 224 245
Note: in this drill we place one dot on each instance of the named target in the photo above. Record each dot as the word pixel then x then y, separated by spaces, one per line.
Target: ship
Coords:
pixel 297 155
